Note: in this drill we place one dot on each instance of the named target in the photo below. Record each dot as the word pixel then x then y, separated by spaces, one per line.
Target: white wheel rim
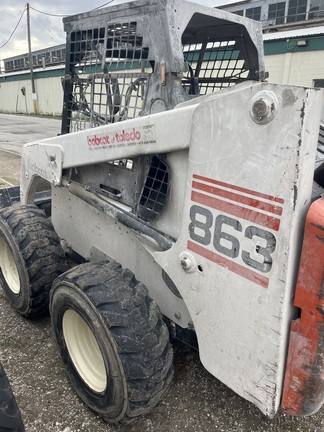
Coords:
pixel 8 267
pixel 84 351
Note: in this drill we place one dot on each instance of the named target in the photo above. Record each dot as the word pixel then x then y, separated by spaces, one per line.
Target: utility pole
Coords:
pixel 34 95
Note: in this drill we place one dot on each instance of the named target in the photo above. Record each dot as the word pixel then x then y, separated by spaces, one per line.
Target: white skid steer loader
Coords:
pixel 188 191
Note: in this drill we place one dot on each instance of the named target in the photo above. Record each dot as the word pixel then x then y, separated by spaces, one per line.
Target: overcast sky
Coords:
pixel 47 30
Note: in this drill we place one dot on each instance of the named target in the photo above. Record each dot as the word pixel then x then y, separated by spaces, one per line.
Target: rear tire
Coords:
pixel 112 340
pixel 31 258
pixel 10 418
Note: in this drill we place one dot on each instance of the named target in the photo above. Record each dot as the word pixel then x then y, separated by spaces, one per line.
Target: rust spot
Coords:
pixel 295 196
pixel 302 111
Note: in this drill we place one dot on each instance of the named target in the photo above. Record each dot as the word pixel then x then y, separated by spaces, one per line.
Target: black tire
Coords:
pixel 132 352
pixel 10 418
pixel 31 258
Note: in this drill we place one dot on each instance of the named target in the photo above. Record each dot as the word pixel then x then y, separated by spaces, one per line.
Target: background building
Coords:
pixel 293 33
pixel 274 12
pixel 41 59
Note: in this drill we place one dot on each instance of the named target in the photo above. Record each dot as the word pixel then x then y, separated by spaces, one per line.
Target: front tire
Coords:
pixel 31 258
pixel 112 339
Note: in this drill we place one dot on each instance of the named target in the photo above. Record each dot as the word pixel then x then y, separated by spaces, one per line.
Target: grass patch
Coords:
pixel 9 180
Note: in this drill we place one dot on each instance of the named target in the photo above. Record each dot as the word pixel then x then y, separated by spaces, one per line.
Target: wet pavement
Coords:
pixel 17 130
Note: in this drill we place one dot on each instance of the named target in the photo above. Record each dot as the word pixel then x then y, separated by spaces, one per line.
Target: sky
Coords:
pixel 47 30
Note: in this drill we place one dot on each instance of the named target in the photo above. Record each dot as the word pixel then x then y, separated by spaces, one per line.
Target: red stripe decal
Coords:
pixel 228 264
pixel 239 189
pixel 235 210
pixel 238 198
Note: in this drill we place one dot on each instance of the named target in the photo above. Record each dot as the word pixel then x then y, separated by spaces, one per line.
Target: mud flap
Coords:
pixel 303 392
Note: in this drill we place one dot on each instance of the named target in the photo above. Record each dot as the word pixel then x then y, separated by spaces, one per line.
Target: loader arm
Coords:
pixel 145 135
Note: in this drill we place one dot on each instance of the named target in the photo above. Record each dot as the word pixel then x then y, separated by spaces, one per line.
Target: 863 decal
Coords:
pixel 230 226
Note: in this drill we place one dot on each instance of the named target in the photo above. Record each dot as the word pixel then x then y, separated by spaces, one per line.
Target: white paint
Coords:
pixel 242 325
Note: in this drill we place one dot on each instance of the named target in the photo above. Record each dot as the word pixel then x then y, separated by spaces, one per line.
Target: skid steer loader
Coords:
pixel 181 185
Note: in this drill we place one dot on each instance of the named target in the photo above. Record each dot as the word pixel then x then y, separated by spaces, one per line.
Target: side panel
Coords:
pixel 249 188
pixel 304 379
pixel 94 235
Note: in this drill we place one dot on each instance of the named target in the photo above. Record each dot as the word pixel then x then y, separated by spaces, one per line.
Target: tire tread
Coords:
pixel 40 249
pixel 136 324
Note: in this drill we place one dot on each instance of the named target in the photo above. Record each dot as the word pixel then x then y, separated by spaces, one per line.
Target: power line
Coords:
pixel 103 5
pixel 41 25
pixel 14 30
pixel 46 13
pixel 62 16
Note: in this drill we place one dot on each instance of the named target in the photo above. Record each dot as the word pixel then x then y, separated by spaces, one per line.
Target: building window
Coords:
pixel 238 12
pixel 9 66
pixel 318 83
pixel 276 13
pixel 297 10
pixel 316 9
pixel 21 63
pixel 253 13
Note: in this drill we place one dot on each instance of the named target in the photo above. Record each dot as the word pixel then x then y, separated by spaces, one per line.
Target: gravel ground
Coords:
pixel 195 402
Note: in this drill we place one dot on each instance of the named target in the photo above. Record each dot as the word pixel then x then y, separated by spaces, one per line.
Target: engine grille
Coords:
pixel 154 195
